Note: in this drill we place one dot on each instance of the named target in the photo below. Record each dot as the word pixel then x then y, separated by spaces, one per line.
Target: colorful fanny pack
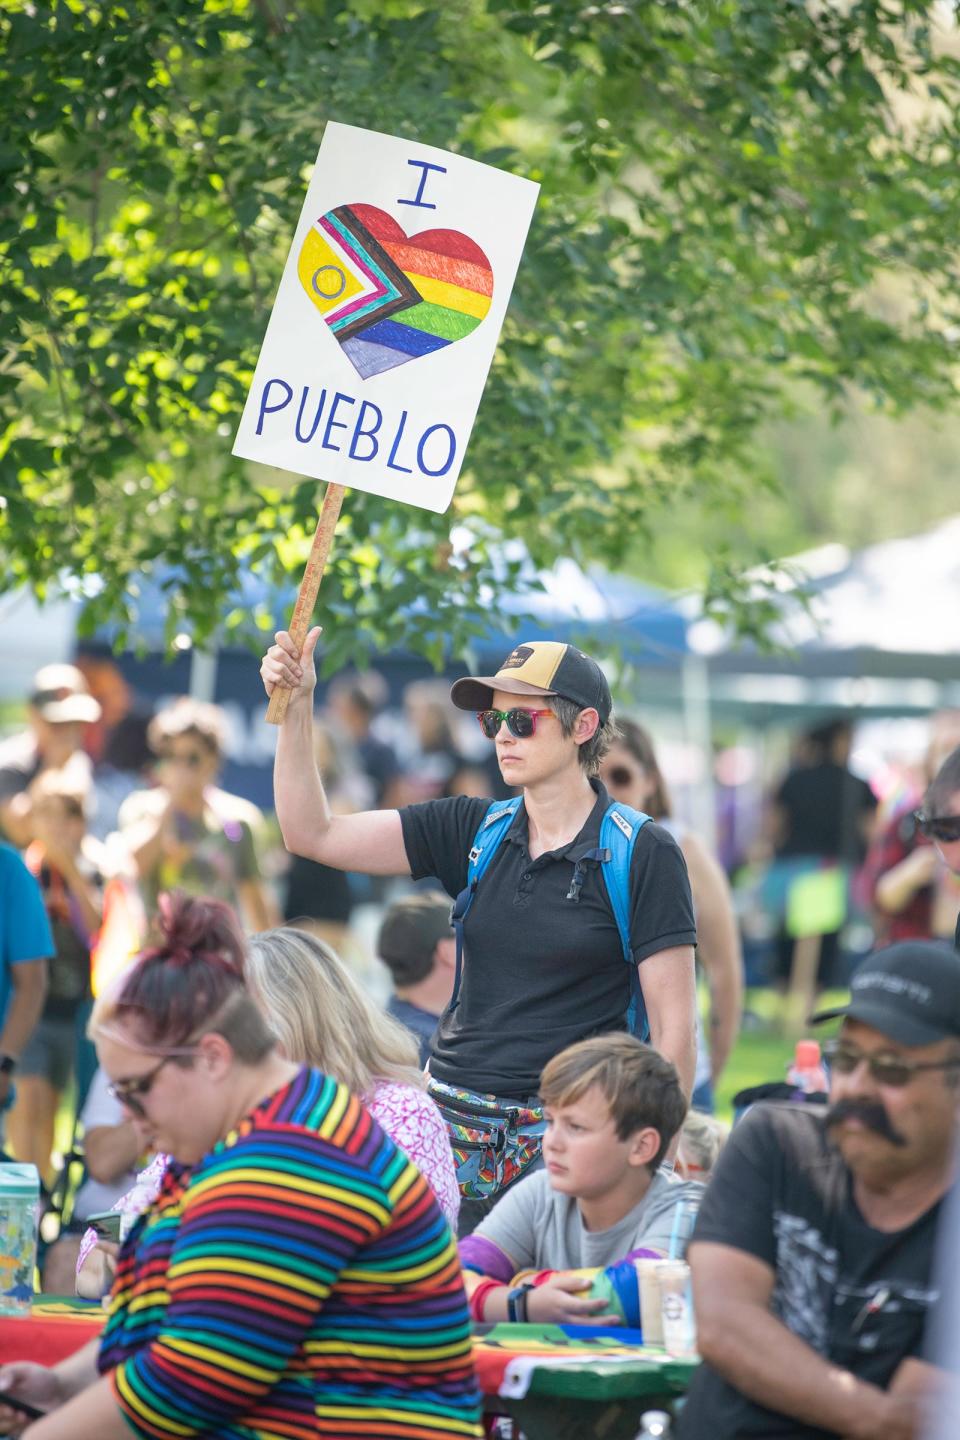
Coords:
pixel 493 1140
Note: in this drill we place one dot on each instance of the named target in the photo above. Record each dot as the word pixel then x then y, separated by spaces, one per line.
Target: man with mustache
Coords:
pixel 812 1260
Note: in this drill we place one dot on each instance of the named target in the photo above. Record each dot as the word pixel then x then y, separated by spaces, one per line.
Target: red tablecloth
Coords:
pixel 53 1330
pixel 56 1328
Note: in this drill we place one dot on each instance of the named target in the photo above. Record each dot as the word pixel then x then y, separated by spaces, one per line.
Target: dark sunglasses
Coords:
pixel 938 827
pixel 620 776
pixel 885 1069
pixel 132 1092
pixel 520 723
pixel 193 760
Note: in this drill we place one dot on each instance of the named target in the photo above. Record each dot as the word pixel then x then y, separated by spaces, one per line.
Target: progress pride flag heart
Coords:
pixel 389 297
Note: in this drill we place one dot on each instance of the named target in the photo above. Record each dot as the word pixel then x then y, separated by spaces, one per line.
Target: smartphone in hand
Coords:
pixel 107 1224
pixel 21 1406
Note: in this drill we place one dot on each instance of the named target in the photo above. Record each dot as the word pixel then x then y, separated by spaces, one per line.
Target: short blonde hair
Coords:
pixel 640 1086
pixel 322 1017
pixel 702 1137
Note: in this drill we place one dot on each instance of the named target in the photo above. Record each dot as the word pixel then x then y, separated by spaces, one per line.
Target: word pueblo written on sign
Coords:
pixel 386 318
pixel 356 428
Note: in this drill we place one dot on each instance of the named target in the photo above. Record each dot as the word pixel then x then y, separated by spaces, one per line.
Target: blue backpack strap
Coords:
pixel 491 830
pixel 618 835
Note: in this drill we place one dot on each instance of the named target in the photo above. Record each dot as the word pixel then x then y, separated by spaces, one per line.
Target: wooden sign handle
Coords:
pixel 309 589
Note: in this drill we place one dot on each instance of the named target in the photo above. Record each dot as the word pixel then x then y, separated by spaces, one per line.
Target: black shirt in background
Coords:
pixel 379 763
pixel 825 807
pixel 781 1192
pixel 317 892
pixel 541 971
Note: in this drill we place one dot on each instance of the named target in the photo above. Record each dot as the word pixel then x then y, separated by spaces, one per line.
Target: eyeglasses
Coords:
pixel 938 827
pixel 193 760
pixel 885 1069
pixel 619 776
pixel 132 1091
pixel 520 723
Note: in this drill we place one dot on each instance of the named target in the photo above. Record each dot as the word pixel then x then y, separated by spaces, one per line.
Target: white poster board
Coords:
pixel 387 317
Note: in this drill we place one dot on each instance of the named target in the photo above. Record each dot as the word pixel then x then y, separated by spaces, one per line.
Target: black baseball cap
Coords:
pixel 909 992
pixel 540 667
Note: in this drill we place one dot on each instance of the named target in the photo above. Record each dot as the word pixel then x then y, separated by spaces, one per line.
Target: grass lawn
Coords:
pixel 762 1052
pixel 758 1055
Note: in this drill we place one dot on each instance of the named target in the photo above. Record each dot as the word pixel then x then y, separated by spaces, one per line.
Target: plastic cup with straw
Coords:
pixel 679 1332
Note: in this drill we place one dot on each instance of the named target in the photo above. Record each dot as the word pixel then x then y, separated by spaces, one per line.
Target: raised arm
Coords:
pixel 371 842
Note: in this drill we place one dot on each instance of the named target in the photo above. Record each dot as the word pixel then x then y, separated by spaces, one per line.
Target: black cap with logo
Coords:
pixel 909 992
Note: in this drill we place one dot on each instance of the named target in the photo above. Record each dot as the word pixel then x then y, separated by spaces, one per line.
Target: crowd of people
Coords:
pixel 317 1194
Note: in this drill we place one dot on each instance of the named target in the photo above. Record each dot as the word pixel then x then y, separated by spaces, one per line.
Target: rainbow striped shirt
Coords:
pixel 299 1281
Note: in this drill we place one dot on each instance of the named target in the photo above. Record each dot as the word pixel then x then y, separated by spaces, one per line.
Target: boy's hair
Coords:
pixel 640 1086
pixel 411 930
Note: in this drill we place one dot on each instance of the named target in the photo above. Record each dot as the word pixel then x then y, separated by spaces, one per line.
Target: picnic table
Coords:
pixel 559 1382
pixel 575 1382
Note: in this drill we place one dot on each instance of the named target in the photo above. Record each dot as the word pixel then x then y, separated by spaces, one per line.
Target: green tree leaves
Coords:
pixel 738 198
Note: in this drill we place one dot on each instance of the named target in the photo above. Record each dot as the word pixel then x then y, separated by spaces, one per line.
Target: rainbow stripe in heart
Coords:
pixel 389 297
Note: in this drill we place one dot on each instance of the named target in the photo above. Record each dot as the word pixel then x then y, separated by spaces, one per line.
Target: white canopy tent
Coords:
pixel 881 636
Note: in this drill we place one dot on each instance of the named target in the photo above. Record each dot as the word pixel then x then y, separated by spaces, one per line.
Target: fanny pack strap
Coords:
pixel 490 1107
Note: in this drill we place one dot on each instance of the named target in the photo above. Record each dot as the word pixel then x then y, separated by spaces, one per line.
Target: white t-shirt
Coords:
pixel 101 1108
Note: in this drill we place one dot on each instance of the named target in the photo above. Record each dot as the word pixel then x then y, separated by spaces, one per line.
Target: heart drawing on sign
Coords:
pixel 387 296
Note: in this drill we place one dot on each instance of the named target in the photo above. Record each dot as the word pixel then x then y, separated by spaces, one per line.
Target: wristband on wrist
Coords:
pixel 479 1297
pixel 517 1303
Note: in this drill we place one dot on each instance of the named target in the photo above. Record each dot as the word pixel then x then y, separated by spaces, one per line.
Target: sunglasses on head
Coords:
pixel 521 723
pixel 938 827
pixel 885 1069
pixel 132 1092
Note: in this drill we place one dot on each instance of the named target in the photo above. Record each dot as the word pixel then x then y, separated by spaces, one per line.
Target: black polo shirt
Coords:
pixel 540 971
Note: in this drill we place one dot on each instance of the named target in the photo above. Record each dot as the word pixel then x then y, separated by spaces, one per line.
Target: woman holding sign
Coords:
pixel 543 947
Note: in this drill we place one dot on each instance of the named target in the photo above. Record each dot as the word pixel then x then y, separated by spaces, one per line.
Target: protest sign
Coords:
pixel 387 317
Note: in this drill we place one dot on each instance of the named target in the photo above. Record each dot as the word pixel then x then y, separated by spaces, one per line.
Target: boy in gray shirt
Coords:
pixel 613 1106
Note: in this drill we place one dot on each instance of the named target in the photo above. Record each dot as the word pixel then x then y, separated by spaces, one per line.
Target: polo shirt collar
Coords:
pixel 582 844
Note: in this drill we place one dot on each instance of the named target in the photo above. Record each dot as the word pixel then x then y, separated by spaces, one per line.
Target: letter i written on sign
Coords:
pixel 387 317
